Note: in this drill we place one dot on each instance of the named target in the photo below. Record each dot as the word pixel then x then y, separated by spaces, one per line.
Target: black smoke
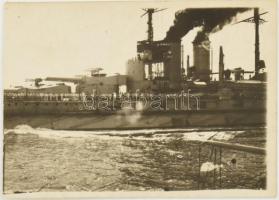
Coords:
pixel 201 36
pixel 211 20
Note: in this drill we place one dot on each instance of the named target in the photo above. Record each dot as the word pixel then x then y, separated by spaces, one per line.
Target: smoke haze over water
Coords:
pixel 211 19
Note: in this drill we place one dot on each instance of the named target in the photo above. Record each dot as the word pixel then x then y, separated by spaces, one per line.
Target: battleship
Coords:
pixel 158 90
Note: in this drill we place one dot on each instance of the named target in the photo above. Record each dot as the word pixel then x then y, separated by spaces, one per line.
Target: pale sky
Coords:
pixel 64 39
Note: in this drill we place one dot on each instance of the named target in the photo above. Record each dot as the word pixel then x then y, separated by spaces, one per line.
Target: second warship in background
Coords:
pixel 156 92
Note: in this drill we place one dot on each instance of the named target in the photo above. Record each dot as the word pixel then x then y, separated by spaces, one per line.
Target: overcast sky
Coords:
pixel 64 39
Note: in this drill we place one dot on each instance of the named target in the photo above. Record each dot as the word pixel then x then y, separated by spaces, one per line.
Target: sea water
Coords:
pixel 39 159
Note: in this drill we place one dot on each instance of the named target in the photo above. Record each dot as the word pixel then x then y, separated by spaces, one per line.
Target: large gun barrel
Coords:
pixel 64 79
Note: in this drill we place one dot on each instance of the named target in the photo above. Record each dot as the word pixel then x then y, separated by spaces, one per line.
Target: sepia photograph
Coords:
pixel 141 99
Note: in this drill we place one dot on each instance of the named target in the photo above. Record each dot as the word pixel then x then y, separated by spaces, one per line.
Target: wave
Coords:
pixel 195 134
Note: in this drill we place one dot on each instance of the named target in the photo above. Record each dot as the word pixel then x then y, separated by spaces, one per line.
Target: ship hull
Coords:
pixel 139 120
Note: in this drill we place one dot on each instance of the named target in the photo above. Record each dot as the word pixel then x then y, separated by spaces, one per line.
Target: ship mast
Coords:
pixel 257 21
pixel 257 43
pixel 149 12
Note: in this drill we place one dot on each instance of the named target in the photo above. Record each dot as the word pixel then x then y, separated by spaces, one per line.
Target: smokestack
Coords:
pixel 188 64
pixel 201 51
pixel 173 66
pixel 182 57
pixel 221 64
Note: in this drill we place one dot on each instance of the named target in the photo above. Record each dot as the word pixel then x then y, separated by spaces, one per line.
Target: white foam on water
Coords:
pixel 199 136
pixel 226 135
pixel 157 134
pixel 211 135
pixel 209 166
pixel 24 128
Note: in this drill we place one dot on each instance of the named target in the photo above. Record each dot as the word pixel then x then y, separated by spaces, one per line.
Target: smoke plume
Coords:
pixel 201 36
pixel 211 20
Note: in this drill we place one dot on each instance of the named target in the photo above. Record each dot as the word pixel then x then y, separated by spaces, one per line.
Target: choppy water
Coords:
pixel 132 160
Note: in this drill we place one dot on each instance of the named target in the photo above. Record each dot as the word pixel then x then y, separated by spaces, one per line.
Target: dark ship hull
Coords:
pixel 138 120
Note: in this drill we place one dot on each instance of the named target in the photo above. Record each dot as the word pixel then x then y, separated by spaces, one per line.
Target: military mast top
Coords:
pixel 150 12
pixel 256 20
